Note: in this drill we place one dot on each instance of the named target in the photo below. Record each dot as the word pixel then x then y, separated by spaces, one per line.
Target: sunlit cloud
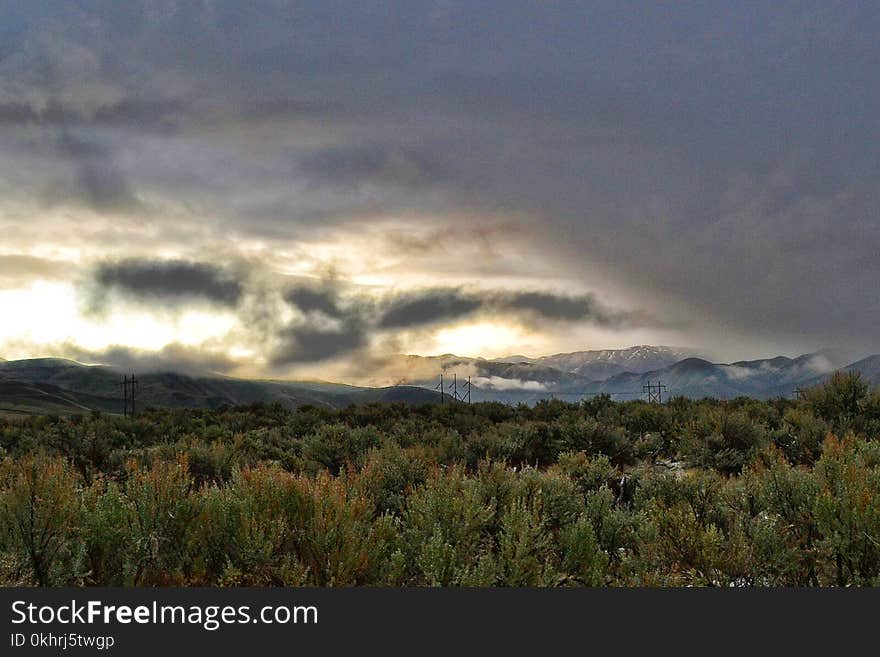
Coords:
pixel 50 314
pixel 606 191
pixel 487 339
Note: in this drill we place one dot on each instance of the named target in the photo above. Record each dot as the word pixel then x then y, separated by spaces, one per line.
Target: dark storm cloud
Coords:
pixel 308 299
pixel 444 305
pixel 556 307
pixel 416 309
pixel 307 344
pixel 716 159
pixel 170 280
pixel 361 317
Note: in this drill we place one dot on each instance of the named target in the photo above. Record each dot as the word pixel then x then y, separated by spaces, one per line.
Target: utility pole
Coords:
pixel 134 383
pixel 440 387
pixel 654 392
pixel 454 386
pixel 125 384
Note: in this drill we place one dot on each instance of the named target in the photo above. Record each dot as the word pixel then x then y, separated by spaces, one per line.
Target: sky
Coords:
pixel 306 188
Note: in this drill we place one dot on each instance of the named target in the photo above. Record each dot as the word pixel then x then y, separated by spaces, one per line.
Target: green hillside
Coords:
pixel 52 385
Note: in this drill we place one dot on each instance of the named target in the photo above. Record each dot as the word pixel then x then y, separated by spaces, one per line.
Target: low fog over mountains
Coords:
pixel 622 373
pixel 64 386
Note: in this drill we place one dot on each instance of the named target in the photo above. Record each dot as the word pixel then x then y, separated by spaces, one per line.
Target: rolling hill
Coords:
pixel 17 397
pixel 52 385
pixel 57 385
pixel 762 379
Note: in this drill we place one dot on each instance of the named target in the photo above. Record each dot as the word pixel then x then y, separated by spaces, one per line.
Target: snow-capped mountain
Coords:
pixel 624 371
pixel 764 378
pixel 641 358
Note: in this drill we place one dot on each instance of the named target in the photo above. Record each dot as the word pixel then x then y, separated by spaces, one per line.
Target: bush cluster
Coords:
pixel 601 493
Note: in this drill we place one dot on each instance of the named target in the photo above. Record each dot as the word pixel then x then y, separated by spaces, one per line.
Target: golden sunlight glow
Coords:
pixel 487 339
pixel 48 313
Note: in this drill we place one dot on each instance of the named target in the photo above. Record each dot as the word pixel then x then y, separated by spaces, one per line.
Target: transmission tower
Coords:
pixel 454 387
pixel 133 382
pixel 654 392
pixel 129 392
pixel 124 385
pixel 439 387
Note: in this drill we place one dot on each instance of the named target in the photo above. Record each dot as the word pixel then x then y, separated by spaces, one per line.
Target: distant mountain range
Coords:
pixel 62 386
pixel 608 362
pixel 622 373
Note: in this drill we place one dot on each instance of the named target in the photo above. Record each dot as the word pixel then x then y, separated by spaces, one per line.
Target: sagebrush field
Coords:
pixel 601 493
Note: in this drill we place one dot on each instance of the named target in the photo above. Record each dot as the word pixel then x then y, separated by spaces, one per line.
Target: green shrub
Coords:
pixel 39 515
pixel 162 514
pixel 847 512
pixel 709 493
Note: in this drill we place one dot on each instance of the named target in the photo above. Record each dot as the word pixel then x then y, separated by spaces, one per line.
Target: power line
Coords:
pixel 655 391
pixel 552 393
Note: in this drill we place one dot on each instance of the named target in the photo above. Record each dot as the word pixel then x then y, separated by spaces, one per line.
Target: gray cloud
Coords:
pixel 171 358
pixel 713 161
pixel 170 280
pixel 98 180
pixel 309 299
pixel 18 114
pixel 163 116
pixel 150 115
pixel 420 308
pixel 20 270
pixel 361 317
pixel 376 163
pixel 442 305
pixel 557 307
pixel 307 344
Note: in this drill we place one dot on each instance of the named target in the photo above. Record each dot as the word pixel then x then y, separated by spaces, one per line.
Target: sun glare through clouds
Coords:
pixel 487 339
